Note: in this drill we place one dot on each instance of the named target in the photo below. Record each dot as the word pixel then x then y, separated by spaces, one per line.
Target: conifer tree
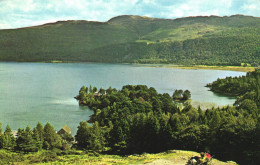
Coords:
pixel 51 138
pixel 7 139
pixel 38 133
pixel 26 142
pixel 90 137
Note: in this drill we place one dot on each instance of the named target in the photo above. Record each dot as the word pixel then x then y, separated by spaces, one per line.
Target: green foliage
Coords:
pixel 90 137
pixel 25 141
pixel 7 140
pixel 51 138
pixel 186 95
pixel 38 133
pixel 8 157
pixel 192 40
pixel 8 130
pixel 246 87
pixel 180 95
pixel 138 120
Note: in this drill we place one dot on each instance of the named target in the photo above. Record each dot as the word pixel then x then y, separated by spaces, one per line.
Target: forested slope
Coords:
pixel 137 119
pixel 193 40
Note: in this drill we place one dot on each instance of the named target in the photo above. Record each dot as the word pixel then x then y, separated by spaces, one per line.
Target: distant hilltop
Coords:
pixel 208 40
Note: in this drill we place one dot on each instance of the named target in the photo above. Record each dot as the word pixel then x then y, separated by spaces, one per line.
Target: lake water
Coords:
pixel 32 92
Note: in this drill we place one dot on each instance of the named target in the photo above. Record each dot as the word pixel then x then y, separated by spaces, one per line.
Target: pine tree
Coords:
pixel 8 130
pixel 38 133
pixel 51 138
pixel 90 137
pixel 8 141
pixel 26 142
pixel 39 130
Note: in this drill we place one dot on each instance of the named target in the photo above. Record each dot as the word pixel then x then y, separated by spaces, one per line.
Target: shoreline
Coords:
pixel 176 66
pixel 205 67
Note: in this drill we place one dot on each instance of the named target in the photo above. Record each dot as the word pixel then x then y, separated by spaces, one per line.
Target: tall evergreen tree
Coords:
pixel 38 135
pixel 51 138
pixel 8 141
pixel 90 137
pixel 26 142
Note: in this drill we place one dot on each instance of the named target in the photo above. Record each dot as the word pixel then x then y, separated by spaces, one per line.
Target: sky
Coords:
pixel 25 13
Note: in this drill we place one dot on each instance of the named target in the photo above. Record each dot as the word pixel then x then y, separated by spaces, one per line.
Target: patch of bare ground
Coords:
pixel 181 158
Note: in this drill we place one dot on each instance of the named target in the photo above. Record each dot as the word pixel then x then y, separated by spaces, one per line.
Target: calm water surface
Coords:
pixel 32 92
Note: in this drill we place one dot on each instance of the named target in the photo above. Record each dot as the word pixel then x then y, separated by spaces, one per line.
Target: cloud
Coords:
pixel 251 7
pixel 17 13
pixel 197 8
pixel 31 12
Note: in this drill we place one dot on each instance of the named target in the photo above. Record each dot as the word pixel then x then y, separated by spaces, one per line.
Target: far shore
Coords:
pixel 192 67
pixel 206 67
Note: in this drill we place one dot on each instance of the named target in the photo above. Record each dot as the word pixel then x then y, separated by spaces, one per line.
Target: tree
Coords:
pixel 86 90
pixel 186 95
pixel 249 106
pixel 39 130
pixel 26 142
pixel 82 92
pixel 117 136
pixel 90 89
pixel 8 130
pixel 95 89
pixel 51 138
pixel 90 137
pixel 177 95
pixel 194 137
pixel 38 133
pixel 109 90
pixel 82 133
pixel 7 140
pixel 102 91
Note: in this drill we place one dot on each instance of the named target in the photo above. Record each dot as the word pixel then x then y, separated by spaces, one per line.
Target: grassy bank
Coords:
pixel 232 68
pixel 206 67
pixel 79 157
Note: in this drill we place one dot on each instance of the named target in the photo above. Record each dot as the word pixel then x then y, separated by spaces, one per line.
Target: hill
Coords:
pixel 206 40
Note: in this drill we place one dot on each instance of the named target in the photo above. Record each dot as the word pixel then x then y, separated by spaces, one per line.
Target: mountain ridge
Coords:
pixel 132 16
pixel 122 36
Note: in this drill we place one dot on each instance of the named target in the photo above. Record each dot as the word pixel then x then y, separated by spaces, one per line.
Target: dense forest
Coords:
pixel 31 140
pixel 134 39
pixel 236 86
pixel 138 119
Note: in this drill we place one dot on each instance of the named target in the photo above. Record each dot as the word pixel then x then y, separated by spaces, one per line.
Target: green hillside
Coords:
pixel 176 157
pixel 193 40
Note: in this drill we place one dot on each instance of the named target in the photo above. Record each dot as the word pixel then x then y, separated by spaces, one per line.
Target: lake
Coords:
pixel 32 92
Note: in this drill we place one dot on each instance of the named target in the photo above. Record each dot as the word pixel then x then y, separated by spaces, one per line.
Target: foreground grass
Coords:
pixel 81 157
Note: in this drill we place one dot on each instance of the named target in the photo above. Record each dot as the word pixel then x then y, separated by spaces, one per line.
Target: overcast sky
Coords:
pixel 23 13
